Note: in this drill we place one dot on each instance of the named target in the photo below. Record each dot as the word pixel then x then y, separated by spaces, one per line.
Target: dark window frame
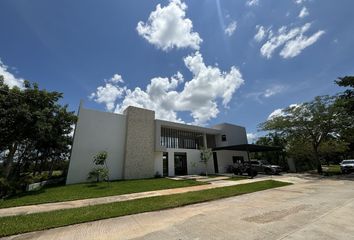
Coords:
pixel 223 138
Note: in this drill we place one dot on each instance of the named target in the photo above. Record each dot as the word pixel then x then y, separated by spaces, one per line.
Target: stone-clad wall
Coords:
pixel 139 145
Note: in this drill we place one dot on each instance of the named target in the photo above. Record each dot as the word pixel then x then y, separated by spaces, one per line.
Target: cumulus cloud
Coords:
pixel 167 27
pixel 252 137
pixel 276 113
pixel 110 92
pixel 230 29
pixel 198 96
pixel 293 39
pixel 303 13
pixel 280 111
pixel 9 78
pixel 261 33
pixel 251 3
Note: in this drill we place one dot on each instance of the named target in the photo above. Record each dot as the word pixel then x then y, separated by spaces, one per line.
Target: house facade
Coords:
pixel 140 146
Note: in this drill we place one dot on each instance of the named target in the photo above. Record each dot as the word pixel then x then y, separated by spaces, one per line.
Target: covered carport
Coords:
pixel 243 148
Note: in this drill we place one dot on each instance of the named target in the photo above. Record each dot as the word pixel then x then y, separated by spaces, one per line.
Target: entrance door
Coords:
pixel 180 164
pixel 215 158
pixel 165 164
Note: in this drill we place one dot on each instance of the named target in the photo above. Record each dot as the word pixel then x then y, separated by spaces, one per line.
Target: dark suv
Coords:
pixel 265 167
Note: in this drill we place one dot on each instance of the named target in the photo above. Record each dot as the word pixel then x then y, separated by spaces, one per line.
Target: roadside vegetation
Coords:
pixel 40 221
pixel 331 169
pixel 35 136
pixel 315 133
pixel 93 190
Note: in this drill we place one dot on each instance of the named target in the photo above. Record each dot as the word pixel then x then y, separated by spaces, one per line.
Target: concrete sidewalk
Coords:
pixel 214 183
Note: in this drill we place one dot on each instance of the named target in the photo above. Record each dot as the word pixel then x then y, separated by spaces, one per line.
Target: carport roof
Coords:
pixel 249 148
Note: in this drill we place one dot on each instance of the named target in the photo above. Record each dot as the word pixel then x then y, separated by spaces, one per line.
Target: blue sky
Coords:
pixel 202 62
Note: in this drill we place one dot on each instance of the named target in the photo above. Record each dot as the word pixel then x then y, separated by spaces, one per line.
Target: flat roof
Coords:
pixel 249 148
pixel 183 126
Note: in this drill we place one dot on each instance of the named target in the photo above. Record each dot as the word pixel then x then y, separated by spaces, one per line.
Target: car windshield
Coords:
pixel 265 162
pixel 348 162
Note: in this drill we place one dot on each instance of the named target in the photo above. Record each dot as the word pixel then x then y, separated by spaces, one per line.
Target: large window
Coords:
pixel 174 138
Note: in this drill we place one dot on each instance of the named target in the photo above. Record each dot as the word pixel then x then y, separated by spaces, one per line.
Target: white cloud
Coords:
pixel 110 92
pixel 276 113
pixel 230 29
pixel 273 90
pixel 283 35
pixel 299 1
pixel 293 39
pixel 252 137
pixel 9 78
pixel 168 27
pixel 251 3
pixel 294 47
pixel 199 96
pixel 303 13
pixel 280 111
pixel 261 33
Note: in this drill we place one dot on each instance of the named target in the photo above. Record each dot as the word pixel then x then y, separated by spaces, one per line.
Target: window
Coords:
pixel 175 138
pixel 223 138
pixel 255 162
pixel 237 159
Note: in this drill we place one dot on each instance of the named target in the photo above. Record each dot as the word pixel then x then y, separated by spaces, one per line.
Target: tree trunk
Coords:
pixel 318 162
pixel 50 173
pixel 9 160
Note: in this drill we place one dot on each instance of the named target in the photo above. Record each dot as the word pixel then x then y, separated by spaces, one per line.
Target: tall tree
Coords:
pixel 311 122
pixel 345 105
pixel 34 127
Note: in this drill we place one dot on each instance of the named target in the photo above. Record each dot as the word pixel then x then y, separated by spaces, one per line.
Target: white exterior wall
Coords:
pixel 235 135
pixel 225 158
pixel 158 163
pixel 97 131
pixel 194 166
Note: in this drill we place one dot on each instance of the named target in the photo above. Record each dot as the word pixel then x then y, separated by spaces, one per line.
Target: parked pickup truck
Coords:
pixel 265 167
pixel 347 166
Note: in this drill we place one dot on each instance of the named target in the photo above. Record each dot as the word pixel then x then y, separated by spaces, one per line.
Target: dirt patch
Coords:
pixel 273 216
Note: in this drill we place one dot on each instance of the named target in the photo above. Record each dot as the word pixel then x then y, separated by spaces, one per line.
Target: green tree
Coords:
pixel 345 105
pixel 347 97
pixel 34 129
pixel 100 172
pixel 274 157
pixel 205 155
pixel 311 122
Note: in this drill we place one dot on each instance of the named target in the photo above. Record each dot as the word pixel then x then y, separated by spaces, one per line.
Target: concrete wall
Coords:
pixel 97 131
pixel 140 143
pixel 235 135
pixel 225 158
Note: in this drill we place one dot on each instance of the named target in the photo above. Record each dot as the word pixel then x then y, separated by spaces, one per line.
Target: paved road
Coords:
pixel 311 209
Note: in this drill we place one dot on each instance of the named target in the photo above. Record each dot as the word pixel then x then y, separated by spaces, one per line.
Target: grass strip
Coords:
pixel 40 221
pixel 94 190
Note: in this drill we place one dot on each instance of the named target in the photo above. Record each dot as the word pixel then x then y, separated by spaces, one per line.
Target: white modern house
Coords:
pixel 140 146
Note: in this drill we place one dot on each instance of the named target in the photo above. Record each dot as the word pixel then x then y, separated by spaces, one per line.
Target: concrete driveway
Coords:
pixel 310 209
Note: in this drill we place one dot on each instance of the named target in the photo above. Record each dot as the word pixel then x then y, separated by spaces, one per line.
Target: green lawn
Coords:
pixel 93 190
pixel 40 221
pixel 236 178
pixel 331 169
